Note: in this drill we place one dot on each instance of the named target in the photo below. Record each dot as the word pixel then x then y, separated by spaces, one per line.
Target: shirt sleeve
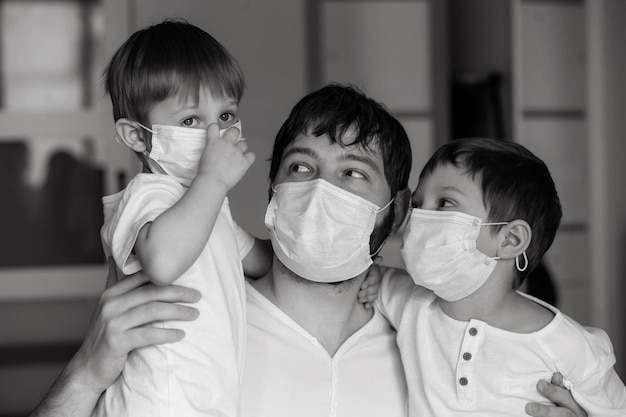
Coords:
pixel 145 198
pixel 594 384
pixel 396 289
pixel 245 241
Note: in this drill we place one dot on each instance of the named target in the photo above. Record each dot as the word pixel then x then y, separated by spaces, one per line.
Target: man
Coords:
pixel 318 351
pixel 340 161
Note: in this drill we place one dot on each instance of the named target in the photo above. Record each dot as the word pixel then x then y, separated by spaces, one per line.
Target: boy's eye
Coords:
pixel 227 120
pixel 445 203
pixel 188 122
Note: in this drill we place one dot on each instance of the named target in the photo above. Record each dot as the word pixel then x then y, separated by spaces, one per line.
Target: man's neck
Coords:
pixel 329 312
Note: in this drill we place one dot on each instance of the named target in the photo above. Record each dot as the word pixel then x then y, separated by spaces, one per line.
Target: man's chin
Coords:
pixel 309 283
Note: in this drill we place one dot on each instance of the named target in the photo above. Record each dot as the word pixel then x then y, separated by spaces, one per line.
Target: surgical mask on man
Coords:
pixel 176 150
pixel 439 252
pixel 320 231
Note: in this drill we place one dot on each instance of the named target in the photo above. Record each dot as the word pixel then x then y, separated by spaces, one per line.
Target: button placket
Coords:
pixel 334 386
pixel 466 389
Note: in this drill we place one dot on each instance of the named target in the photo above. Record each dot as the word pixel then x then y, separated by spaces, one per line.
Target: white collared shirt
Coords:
pixel 289 373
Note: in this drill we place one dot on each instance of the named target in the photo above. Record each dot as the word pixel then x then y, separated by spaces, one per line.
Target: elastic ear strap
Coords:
pixel 525 262
pixel 383 208
pixel 149 130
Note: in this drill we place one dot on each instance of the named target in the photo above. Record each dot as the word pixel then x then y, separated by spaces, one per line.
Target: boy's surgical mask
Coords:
pixel 439 251
pixel 176 151
pixel 321 232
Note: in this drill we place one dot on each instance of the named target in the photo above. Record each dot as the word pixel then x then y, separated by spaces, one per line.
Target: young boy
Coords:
pixel 175 92
pixel 484 213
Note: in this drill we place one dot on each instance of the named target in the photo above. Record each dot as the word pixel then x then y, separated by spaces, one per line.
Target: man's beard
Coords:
pixel 377 239
pixel 381 233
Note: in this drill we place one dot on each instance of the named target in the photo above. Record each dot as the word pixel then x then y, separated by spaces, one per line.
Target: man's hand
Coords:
pixel 225 159
pixel 121 324
pixel 555 392
pixel 371 284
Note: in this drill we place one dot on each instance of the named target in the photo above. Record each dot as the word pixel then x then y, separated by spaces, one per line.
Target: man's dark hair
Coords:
pixel 337 109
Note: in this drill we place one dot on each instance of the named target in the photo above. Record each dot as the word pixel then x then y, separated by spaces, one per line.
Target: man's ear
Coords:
pixel 401 205
pixel 515 238
pixel 130 134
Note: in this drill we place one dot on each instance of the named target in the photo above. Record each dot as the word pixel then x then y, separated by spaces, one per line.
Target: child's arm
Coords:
pixel 397 289
pixel 259 260
pixel 170 244
pixel 371 284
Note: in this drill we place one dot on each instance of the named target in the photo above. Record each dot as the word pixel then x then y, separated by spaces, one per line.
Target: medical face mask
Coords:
pixel 176 151
pixel 321 232
pixel 439 251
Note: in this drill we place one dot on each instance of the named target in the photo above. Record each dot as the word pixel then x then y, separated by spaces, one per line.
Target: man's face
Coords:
pixel 357 170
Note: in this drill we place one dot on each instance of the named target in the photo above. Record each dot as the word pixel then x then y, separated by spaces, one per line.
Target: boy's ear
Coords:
pixel 401 206
pixel 515 238
pixel 130 134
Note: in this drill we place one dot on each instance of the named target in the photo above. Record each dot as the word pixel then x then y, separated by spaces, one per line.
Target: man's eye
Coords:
pixel 299 168
pixel 354 173
pixel 415 204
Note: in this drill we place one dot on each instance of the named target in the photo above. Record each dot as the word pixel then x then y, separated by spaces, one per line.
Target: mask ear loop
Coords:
pixel 154 166
pixel 383 208
pixel 517 263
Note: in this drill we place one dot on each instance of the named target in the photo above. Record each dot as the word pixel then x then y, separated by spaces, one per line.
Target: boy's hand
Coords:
pixel 121 324
pixel 225 159
pixel 556 392
pixel 371 284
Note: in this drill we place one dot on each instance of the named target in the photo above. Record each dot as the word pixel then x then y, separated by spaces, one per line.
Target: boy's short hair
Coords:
pixel 515 185
pixel 336 108
pixel 172 57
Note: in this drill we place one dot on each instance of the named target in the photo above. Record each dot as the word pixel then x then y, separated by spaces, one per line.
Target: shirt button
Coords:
pixel 463 381
pixel 473 331
pixel 467 356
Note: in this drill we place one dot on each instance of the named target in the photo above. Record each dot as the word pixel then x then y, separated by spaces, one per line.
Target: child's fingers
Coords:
pixel 213 131
pixel 242 145
pixel 232 135
pixel 251 157
pixel 369 293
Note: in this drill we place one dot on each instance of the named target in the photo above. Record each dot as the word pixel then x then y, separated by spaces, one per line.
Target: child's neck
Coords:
pixel 498 304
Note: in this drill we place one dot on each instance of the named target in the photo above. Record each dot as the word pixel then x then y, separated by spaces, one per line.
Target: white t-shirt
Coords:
pixel 200 375
pixel 289 373
pixel 457 368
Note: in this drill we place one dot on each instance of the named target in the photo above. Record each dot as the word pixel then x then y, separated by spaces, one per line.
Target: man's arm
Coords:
pixel 120 325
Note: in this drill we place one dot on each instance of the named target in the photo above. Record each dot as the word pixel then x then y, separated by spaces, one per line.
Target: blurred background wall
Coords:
pixel 546 73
